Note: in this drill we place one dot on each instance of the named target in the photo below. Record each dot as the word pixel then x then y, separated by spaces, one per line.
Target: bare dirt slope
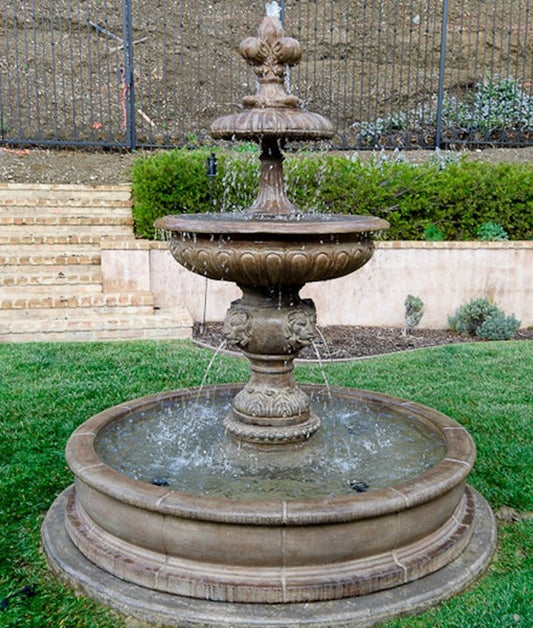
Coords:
pixel 98 168
pixel 60 62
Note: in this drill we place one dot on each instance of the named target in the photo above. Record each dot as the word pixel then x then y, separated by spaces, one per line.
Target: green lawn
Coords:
pixel 48 389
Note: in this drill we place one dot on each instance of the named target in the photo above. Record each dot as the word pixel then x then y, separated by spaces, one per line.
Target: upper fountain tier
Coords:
pixel 272 112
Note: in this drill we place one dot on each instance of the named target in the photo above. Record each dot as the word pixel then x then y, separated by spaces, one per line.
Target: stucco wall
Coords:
pixel 443 274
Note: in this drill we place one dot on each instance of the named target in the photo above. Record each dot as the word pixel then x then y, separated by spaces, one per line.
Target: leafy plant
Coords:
pixel 414 310
pixel 484 319
pixel 498 328
pixel 433 234
pixel 492 231
pixel 495 105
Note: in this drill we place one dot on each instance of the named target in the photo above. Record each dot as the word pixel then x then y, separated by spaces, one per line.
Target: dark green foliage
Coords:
pixel 484 319
pixel 169 183
pixel 443 198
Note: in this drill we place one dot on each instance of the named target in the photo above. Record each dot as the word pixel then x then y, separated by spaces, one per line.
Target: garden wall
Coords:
pixel 443 274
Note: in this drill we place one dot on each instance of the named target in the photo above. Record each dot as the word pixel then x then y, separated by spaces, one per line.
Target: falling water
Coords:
pixel 222 345
pixel 321 367
pixel 183 443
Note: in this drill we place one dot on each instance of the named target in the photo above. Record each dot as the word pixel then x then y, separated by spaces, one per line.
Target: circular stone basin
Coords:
pixel 271 528
pixel 262 252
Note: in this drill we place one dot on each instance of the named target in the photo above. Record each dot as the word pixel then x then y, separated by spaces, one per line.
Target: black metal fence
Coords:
pixel 149 73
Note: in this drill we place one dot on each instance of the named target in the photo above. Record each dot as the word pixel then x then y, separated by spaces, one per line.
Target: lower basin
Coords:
pixel 375 499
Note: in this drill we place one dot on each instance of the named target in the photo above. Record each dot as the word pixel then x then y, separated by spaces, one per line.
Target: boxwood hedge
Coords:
pixel 449 196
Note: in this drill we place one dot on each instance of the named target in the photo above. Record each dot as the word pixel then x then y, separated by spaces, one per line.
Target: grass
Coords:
pixel 49 389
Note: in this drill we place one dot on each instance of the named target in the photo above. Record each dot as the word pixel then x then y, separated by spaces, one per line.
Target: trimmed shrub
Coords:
pixel 445 198
pixel 470 316
pixel 484 319
pixel 498 328
pixel 173 182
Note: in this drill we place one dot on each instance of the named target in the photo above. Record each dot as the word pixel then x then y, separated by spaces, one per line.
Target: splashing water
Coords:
pixel 273 9
pixel 183 443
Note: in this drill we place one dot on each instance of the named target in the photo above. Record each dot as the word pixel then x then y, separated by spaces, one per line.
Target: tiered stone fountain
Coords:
pixel 233 505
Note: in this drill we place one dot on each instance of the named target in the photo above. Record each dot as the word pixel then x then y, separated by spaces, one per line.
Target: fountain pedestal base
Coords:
pixel 270 328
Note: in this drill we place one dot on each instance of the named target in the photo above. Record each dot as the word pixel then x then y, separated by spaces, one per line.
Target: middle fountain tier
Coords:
pixel 272 251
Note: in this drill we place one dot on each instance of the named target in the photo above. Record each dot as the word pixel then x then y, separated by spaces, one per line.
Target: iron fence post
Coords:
pixel 442 68
pixel 282 12
pixel 127 37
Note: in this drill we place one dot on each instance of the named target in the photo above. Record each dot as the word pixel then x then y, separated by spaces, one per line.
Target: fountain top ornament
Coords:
pixel 272 112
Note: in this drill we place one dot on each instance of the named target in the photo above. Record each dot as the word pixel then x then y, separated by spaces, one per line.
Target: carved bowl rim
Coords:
pixel 235 224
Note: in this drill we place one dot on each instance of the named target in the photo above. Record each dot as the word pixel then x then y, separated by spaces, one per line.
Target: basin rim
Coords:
pixel 303 226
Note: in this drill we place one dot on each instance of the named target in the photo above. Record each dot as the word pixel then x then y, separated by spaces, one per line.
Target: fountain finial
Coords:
pixel 272 112
pixel 270 53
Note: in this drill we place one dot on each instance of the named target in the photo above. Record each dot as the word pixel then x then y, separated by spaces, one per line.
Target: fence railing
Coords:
pixel 389 73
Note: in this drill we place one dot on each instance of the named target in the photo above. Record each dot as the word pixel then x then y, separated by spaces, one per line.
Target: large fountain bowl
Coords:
pixel 267 253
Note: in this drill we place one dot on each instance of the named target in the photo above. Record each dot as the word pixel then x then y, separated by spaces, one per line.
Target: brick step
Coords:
pixel 71 192
pixel 9 220
pixel 64 211
pixel 35 249
pixel 87 328
pixel 27 276
pixel 27 236
pixel 63 290
pixel 54 305
pixel 48 258
pixel 67 311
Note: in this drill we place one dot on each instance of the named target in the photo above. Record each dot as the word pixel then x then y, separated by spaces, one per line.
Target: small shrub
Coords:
pixel 482 318
pixel 433 234
pixel 492 232
pixel 498 328
pixel 414 310
pixel 470 316
pixel 492 107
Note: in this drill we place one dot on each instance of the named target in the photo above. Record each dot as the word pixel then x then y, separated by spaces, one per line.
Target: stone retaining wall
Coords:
pixel 443 274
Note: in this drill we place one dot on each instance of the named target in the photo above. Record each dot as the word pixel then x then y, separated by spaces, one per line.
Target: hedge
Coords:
pixel 450 198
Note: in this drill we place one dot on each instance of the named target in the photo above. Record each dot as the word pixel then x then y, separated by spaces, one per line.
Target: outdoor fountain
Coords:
pixel 270 504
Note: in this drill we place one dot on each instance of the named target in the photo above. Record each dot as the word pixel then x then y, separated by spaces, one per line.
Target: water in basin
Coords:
pixel 182 444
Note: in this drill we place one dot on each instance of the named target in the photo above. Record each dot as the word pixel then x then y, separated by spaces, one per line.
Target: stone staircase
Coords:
pixel 51 283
